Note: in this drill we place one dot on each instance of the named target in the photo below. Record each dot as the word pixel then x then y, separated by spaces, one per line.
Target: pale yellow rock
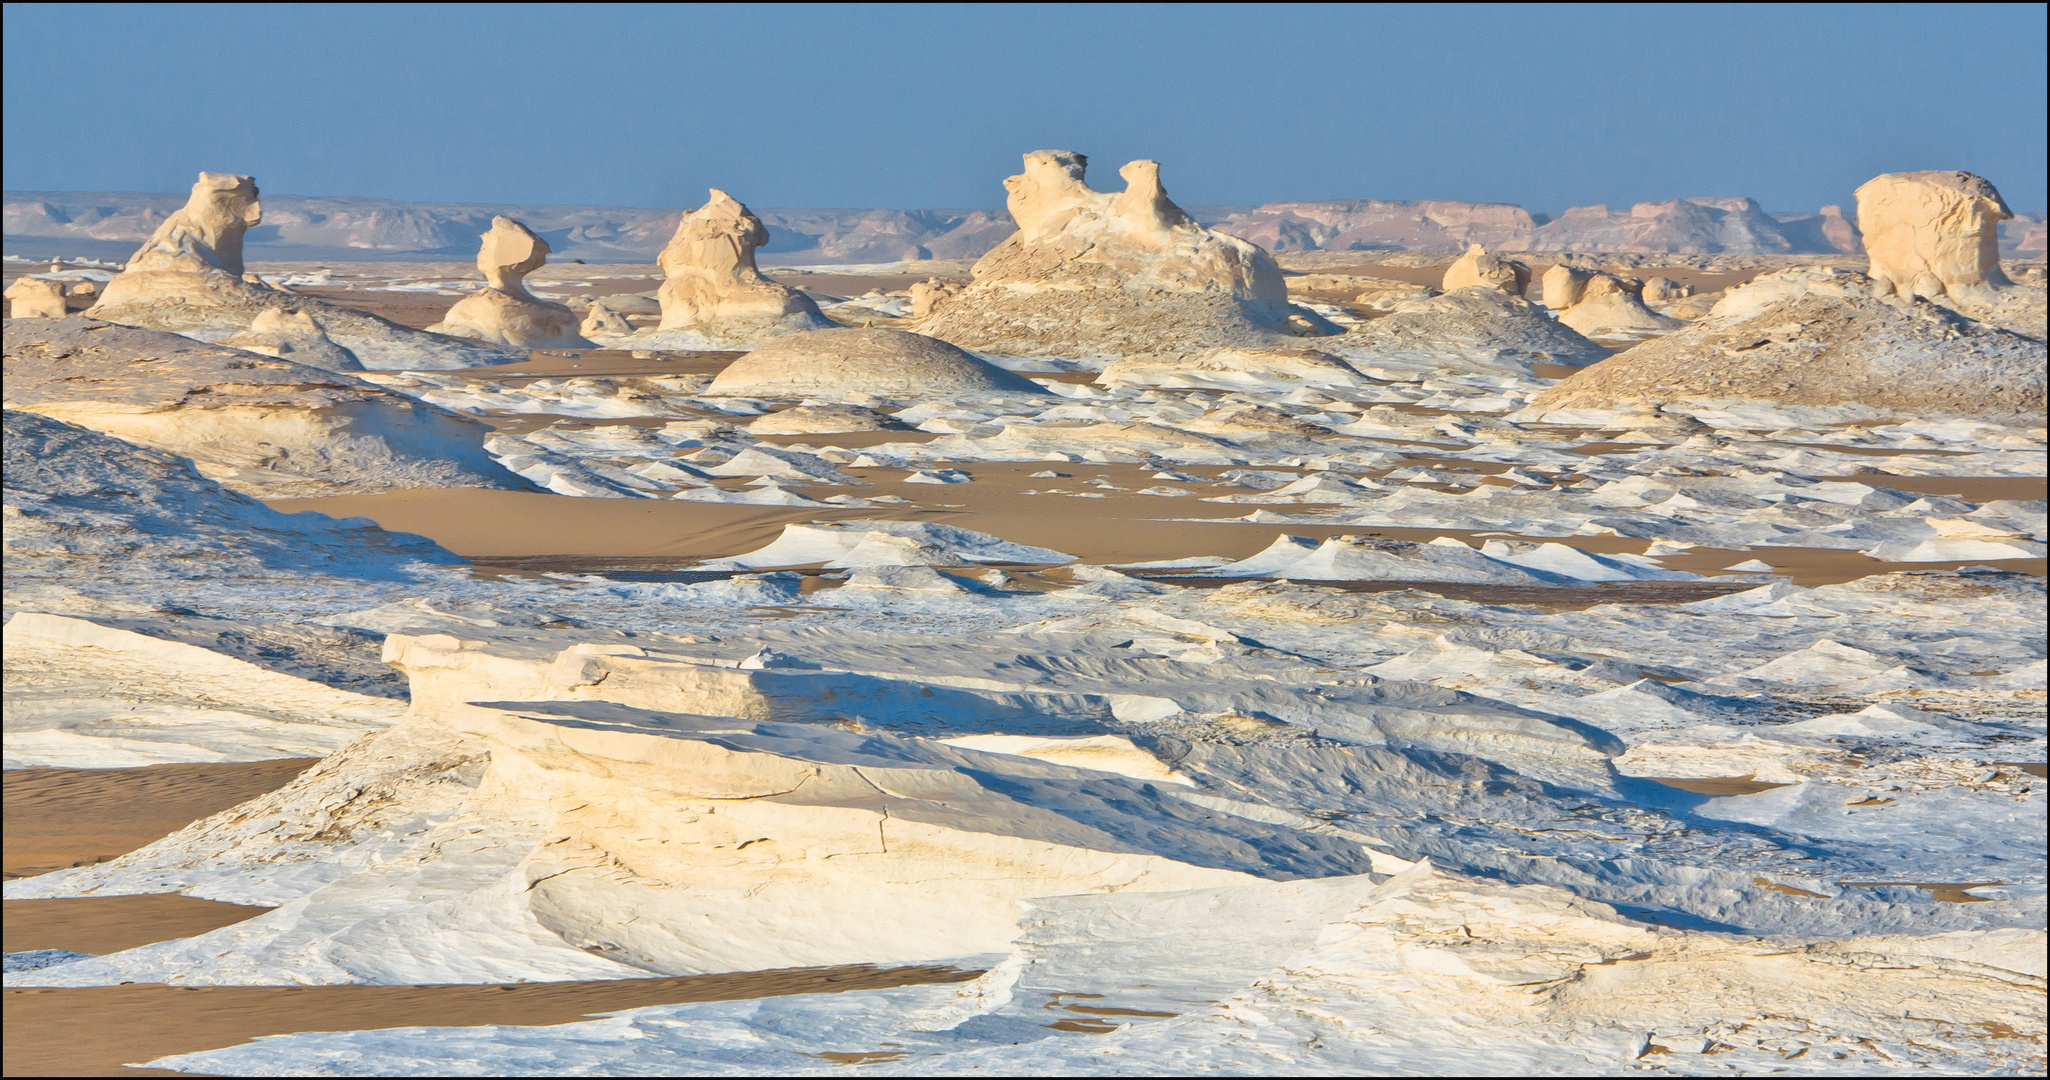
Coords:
pixel 1933 235
pixel 206 234
pixel 35 298
pixel 1562 286
pixel 927 295
pixel 1109 274
pixel 1478 267
pixel 714 296
pixel 1660 290
pixel 602 321
pixel 504 312
pixel 1609 308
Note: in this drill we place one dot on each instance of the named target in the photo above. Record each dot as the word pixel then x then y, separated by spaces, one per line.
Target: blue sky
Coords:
pixel 1546 106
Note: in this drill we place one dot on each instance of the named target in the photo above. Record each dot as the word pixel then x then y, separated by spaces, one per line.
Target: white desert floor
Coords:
pixel 1247 811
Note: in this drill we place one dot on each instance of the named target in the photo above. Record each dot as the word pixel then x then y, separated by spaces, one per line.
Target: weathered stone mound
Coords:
pixel 1477 328
pixel 1478 267
pixel 714 296
pixel 35 298
pixel 825 420
pixel 504 312
pixel 1605 306
pixel 1234 369
pixel 1819 338
pixel 884 363
pixel 252 422
pixel 1933 235
pixel 188 279
pixel 296 336
pixel 1107 274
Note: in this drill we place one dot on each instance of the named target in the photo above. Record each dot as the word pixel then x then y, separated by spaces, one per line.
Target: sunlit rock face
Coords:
pixel 504 312
pixel 1933 234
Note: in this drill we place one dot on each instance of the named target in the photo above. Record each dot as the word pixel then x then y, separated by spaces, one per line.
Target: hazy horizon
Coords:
pixel 929 107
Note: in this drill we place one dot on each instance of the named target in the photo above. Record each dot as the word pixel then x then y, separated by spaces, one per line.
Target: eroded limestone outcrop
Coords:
pixel 252 422
pixel 1479 267
pixel 503 312
pixel 714 296
pixel 188 279
pixel 882 363
pixel 1605 306
pixel 296 336
pixel 1933 235
pixel 1096 274
pixel 35 298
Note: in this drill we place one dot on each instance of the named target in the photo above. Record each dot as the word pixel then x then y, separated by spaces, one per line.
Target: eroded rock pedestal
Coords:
pixel 188 279
pixel 714 296
pixel 503 312
pixel 1106 274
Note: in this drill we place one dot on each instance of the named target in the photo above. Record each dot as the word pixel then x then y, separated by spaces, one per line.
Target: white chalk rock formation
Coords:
pixel 1933 235
pixel 927 295
pixel 882 363
pixel 714 296
pixel 503 312
pixel 1479 267
pixel 296 336
pixel 1817 339
pixel 188 279
pixel 602 321
pixel 35 298
pixel 1606 307
pixel 1477 328
pixel 1562 285
pixel 1248 368
pixel 824 420
pixel 1108 274
pixel 250 421
pixel 1660 290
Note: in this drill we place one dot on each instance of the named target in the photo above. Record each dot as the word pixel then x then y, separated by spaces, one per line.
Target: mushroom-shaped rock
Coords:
pixel 504 312
pixel 714 296
pixel 188 279
pixel 1478 267
pixel 1814 337
pixel 294 336
pixel 1108 274
pixel 1933 235
pixel 1562 285
pixel 35 298
pixel 1608 308
pixel 883 363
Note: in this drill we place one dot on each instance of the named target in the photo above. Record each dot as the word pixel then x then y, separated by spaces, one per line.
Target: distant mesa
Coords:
pixel 714 296
pixel 1935 330
pixel 881 363
pixel 1109 274
pixel 188 279
pixel 1478 267
pixel 255 423
pixel 503 312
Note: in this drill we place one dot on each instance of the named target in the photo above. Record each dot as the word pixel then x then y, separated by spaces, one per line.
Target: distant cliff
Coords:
pixel 110 224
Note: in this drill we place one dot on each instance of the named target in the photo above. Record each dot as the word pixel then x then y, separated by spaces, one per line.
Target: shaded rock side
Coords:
pixel 253 422
pixel 1818 337
pixel 187 279
pixel 884 363
pixel 1106 274
pixel 504 312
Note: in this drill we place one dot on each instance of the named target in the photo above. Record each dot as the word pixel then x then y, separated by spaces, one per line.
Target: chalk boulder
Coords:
pixel 1562 285
pixel 927 295
pixel 881 363
pixel 1608 307
pixel 188 279
pixel 503 312
pixel 601 321
pixel 1107 274
pixel 1662 290
pixel 1479 267
pixel 714 296
pixel 294 336
pixel 1934 235
pixel 35 298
